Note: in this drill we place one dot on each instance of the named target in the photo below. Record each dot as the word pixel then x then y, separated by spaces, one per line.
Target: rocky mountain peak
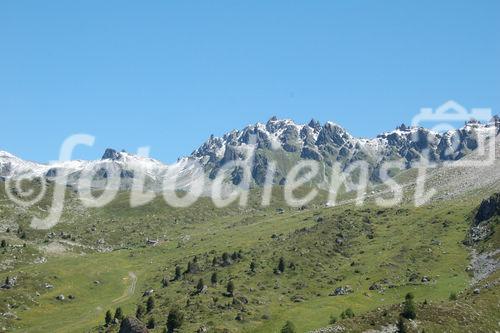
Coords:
pixel 313 123
pixel 111 154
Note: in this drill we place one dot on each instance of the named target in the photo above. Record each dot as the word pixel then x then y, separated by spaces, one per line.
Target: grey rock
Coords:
pixel 132 325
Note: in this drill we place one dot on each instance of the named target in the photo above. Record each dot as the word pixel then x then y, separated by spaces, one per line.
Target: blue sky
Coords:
pixel 167 74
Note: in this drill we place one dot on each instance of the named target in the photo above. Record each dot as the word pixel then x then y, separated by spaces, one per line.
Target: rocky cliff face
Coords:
pixel 488 209
pixel 485 220
pixel 285 142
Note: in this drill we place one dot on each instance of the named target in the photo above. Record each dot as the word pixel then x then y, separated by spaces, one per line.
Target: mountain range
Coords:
pixel 279 140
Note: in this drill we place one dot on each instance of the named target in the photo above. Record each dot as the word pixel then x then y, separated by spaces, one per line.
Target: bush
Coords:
pixel 178 273
pixel 230 287
pixel 453 297
pixel 174 319
pixel 281 265
pixel 139 312
pixel 348 313
pixel 151 323
pixel 200 285
pixel 150 304
pixel 253 266
pixel 333 320
pixel 289 327
pixel 213 278
pixel 400 325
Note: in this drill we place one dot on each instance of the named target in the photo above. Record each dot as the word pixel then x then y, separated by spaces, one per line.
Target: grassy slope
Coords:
pixel 402 244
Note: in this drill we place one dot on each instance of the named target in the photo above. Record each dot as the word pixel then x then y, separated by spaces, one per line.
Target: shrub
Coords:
pixel 253 266
pixel 230 287
pixel 151 323
pixel 289 327
pixel 213 278
pixel 400 325
pixel 178 273
pixel 150 304
pixel 139 312
pixel 453 297
pixel 347 313
pixel 174 319
pixel 200 285
pixel 281 265
pixel 165 282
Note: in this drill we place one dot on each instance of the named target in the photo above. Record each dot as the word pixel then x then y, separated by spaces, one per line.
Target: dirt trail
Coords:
pixel 130 290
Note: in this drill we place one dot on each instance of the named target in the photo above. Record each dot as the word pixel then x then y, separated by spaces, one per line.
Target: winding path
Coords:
pixel 129 291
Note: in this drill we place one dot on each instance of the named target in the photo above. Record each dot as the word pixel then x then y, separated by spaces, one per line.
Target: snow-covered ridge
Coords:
pixel 329 142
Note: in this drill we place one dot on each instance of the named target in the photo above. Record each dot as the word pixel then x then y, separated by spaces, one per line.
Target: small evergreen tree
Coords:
pixel 3 243
pixel 215 261
pixel 178 273
pixel 119 314
pixel 226 259
pixel 230 288
pixel 213 278
pixel 409 307
pixel 253 266
pixel 108 318
pixel 150 304
pixel 175 319
pixel 289 327
pixel 151 323
pixel 453 296
pixel 139 312
pixel 165 282
pixel 281 265
pixel 200 285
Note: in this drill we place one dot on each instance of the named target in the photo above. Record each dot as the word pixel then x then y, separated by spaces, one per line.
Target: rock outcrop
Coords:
pixel 132 325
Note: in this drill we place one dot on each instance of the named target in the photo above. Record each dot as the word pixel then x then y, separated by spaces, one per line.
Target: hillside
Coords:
pixel 103 261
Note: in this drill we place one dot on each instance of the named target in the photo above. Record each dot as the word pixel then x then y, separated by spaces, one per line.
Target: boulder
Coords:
pixel 340 291
pixel 148 292
pixel 132 325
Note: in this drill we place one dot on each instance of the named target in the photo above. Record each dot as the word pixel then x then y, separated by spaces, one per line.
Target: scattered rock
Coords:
pixel 340 291
pixel 202 329
pixel 375 286
pixel 148 292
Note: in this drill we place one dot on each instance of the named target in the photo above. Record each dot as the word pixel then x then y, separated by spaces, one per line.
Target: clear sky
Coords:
pixel 167 74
